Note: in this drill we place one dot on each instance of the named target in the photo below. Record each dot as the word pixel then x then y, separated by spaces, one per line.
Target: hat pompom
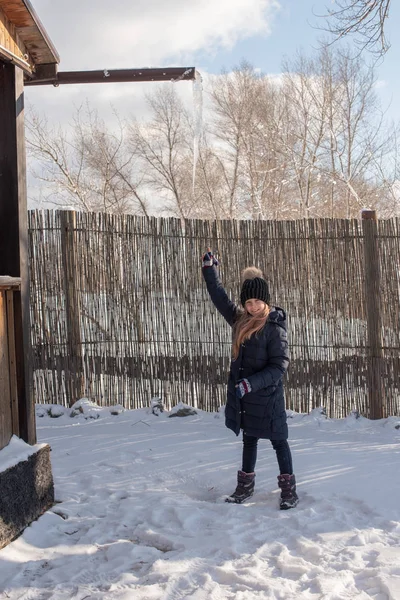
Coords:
pixel 251 273
pixel 256 288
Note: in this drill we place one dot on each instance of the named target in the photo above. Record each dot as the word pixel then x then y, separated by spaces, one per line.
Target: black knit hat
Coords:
pixel 255 288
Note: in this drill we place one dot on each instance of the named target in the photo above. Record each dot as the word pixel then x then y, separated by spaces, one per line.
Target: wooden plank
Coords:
pixel 10 283
pixel 12 362
pixel 24 371
pixel 23 348
pixel 3 30
pixel 12 48
pixel 5 403
pixel 14 232
pixel 9 229
pixel 72 306
pixel 374 314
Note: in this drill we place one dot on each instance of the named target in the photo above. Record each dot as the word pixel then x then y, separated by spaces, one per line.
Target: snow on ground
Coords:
pixel 140 512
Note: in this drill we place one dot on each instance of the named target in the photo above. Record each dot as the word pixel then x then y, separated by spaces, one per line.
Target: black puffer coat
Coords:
pixel 263 360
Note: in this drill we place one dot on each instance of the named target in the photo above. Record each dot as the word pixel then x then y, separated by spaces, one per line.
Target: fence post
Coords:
pixel 74 378
pixel 373 313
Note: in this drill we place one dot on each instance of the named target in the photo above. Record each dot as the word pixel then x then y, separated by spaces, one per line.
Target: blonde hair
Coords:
pixel 247 324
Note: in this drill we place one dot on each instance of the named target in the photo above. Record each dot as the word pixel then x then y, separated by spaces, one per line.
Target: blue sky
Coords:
pixel 290 29
pixel 294 26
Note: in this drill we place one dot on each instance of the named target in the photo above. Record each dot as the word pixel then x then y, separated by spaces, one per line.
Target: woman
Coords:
pixel 260 358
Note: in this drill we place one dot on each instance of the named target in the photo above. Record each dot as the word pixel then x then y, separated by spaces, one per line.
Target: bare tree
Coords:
pixel 245 114
pixel 161 146
pixel 386 171
pixel 306 98
pixel 362 146
pixel 342 150
pixel 233 99
pixel 311 143
pixel 164 148
pixel 210 184
pixel 365 19
pixel 89 168
pixel 263 165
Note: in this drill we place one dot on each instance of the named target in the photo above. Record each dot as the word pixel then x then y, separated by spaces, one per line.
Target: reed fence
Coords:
pixel 120 314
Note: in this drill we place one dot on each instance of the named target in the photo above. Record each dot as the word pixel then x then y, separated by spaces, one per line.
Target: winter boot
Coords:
pixel 289 498
pixel 244 488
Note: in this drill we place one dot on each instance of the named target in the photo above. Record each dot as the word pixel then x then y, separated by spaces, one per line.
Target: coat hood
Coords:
pixel 278 316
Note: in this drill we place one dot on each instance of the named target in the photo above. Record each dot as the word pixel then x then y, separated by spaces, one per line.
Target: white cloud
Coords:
pixel 144 33
pixel 97 34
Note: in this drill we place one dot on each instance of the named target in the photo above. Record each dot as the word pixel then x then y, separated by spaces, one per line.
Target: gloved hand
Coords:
pixel 209 259
pixel 243 387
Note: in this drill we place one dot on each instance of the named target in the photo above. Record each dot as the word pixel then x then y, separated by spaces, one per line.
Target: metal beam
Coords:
pixel 117 76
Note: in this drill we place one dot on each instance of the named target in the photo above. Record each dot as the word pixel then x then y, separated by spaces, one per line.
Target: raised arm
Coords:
pixel 218 295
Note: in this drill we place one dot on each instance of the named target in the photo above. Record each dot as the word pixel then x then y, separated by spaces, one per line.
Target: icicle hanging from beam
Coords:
pixel 197 120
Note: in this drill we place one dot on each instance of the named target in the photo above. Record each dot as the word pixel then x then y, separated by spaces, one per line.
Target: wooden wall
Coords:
pixel 9 418
pixel 10 42
pixel 5 398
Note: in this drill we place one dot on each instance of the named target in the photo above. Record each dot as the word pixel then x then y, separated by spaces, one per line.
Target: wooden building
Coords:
pixel 26 487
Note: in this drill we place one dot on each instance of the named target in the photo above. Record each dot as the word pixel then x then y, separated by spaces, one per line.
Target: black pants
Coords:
pixel 281 448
